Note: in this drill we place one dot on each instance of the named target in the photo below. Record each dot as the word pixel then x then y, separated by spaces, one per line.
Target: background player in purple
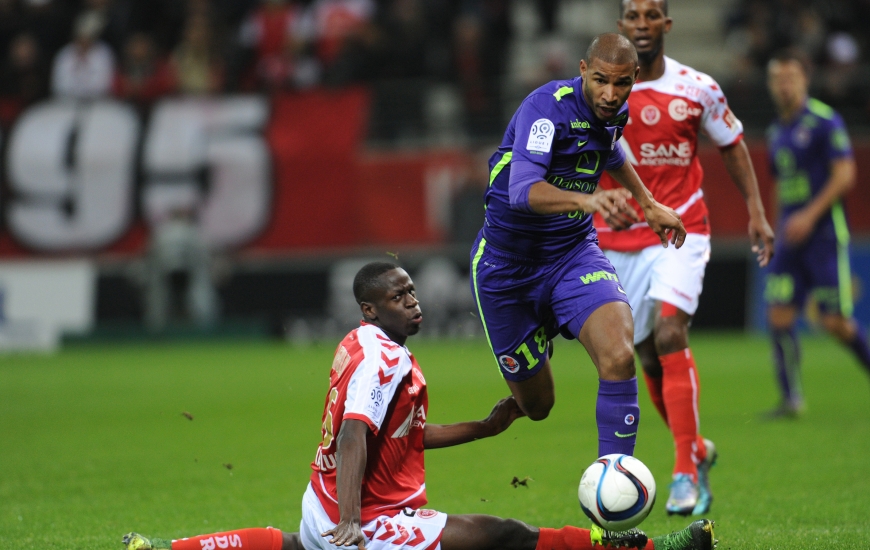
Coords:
pixel 811 157
pixel 536 267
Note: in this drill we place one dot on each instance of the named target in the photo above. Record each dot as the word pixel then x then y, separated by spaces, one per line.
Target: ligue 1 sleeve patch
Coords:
pixel 541 136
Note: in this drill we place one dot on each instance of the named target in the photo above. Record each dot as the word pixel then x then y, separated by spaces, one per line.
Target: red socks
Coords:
pixel 680 392
pixel 258 538
pixel 654 385
pixel 570 538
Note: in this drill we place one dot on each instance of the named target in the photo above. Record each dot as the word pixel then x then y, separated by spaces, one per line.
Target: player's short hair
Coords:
pixel 622 7
pixel 795 55
pixel 611 48
pixel 368 278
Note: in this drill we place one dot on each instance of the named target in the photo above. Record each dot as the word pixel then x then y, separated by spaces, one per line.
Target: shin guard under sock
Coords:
pixel 654 385
pixel 681 390
pixel 618 416
pixel 260 538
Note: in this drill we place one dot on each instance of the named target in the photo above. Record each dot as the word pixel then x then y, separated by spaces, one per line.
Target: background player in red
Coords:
pixel 811 156
pixel 670 104
pixel 367 483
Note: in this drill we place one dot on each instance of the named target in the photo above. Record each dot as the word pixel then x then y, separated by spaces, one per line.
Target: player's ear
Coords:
pixel 583 68
pixel 668 24
pixel 369 311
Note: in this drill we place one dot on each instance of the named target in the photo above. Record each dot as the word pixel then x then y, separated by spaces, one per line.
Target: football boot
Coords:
pixel 684 495
pixel 705 496
pixel 697 536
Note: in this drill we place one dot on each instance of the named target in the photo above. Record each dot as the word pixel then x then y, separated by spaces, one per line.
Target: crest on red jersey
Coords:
pixel 650 114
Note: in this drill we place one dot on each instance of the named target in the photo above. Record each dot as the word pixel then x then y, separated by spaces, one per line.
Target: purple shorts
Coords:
pixel 523 303
pixel 819 267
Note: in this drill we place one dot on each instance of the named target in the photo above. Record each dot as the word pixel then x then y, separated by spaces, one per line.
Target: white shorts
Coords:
pixel 671 275
pixel 411 529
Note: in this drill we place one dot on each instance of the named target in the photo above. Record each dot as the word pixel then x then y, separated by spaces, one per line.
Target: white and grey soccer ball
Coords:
pixel 617 492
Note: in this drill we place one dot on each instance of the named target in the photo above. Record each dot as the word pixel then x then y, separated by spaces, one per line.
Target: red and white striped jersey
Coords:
pixel 379 382
pixel 661 142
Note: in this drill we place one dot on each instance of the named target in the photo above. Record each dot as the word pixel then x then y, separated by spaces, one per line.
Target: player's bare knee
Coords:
pixel 617 363
pixel 839 327
pixel 671 334
pixel 537 409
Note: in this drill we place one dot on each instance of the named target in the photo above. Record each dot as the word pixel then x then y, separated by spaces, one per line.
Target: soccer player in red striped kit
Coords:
pixel 367 484
pixel 670 105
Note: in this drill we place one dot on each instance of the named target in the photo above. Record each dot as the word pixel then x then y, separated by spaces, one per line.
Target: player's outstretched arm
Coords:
pixel 663 220
pixel 447 435
pixel 739 166
pixel 800 224
pixel 350 467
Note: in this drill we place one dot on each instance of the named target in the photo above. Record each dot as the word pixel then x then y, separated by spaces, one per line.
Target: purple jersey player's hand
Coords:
pixel 798 227
pixel 613 206
pixel 666 223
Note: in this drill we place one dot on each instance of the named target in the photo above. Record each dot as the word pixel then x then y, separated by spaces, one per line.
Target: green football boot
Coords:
pixel 135 541
pixel 632 538
pixel 697 536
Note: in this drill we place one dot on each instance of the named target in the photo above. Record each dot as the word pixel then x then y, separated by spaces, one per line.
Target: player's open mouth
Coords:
pixel 642 42
pixel 607 112
pixel 417 319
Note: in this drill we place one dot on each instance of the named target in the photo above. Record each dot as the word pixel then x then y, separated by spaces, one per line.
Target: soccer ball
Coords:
pixel 617 492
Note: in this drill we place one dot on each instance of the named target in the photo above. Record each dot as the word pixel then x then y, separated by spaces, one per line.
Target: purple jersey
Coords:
pixel 800 153
pixel 554 136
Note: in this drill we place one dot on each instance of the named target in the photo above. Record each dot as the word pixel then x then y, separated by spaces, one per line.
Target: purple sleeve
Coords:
pixel 839 145
pixel 535 132
pixel 616 158
pixel 523 175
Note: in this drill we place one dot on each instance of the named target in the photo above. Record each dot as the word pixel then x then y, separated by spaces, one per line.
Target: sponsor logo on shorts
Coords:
pixel 509 364
pixel 596 276
pixel 423 513
pixel 623 436
pixel 629 419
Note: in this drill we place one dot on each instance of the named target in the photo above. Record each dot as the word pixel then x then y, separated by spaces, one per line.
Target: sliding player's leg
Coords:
pixel 480 532
pixel 257 538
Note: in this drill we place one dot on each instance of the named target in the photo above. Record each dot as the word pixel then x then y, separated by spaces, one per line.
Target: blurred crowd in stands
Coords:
pixel 833 34
pixel 140 50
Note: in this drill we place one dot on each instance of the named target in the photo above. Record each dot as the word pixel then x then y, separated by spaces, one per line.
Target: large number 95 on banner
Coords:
pixel 76 170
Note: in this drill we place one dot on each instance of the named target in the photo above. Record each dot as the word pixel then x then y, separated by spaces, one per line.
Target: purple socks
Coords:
pixel 787 360
pixel 858 345
pixel 618 415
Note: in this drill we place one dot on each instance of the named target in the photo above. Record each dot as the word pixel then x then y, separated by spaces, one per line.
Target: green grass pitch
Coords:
pixel 93 442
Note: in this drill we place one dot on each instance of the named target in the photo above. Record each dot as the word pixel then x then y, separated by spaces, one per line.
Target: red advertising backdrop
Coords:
pixel 283 176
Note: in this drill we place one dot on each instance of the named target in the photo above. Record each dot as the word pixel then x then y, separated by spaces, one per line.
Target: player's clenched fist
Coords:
pixel 666 223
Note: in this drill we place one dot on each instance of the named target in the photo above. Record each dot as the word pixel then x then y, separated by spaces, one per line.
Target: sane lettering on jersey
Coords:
pixel 661 142
pixel 378 382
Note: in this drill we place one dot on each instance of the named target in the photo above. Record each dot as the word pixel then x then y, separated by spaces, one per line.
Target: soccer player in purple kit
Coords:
pixel 536 268
pixel 811 157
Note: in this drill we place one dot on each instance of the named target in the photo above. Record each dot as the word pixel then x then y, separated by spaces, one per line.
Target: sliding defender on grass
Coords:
pixel 367 484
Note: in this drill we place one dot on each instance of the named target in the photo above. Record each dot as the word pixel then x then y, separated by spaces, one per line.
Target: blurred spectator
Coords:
pixel 338 23
pixel 142 76
pixel 179 284
pixel 195 61
pixel 85 67
pixel 276 41
pixel 22 77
